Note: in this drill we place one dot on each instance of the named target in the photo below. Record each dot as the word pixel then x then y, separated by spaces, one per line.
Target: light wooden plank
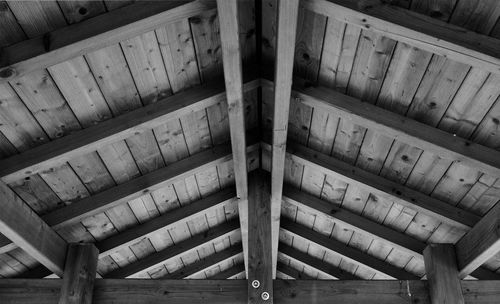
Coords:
pixel 405 130
pixel 79 274
pixel 415 29
pixel 113 130
pixel 152 261
pixel 93 34
pixel 231 58
pixel 480 244
pixel 292 272
pixel 27 230
pixel 283 71
pixel 259 238
pixel 229 273
pixel 442 274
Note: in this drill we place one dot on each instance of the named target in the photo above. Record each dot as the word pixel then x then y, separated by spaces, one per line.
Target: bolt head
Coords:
pixel 265 296
pixel 255 283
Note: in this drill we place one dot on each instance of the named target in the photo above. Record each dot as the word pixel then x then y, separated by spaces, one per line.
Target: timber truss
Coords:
pixel 259 194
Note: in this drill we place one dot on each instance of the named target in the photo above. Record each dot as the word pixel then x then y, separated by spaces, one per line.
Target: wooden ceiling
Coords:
pixel 116 130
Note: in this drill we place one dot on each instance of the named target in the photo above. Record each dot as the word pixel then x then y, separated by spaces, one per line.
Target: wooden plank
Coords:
pixel 107 291
pixel 480 244
pixel 349 253
pixel 283 71
pixel 79 274
pixel 154 260
pixel 19 223
pixel 205 263
pixel 231 58
pixel 400 128
pixel 317 264
pixel 415 29
pixel 292 272
pixel 93 34
pixel 259 238
pixel 442 273
pixel 135 122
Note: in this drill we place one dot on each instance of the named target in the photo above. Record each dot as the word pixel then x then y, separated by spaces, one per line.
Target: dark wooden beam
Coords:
pixel 110 291
pixel 292 272
pixel 82 142
pixel 205 263
pixel 283 70
pixel 27 230
pixel 395 126
pixel 416 29
pixel 442 274
pixel 259 239
pixel 79 274
pixel 347 252
pixel 228 273
pixel 189 245
pixel 317 264
pixel 93 34
pixel 480 244
pixel 383 187
pixel 233 76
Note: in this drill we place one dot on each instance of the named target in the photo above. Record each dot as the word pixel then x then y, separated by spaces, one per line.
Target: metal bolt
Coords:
pixel 255 284
pixel 265 296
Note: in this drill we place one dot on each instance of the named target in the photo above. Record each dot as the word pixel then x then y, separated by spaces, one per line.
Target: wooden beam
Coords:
pixel 416 29
pixel 442 274
pixel 233 76
pixel 110 291
pixel 228 273
pixel 259 239
pixel 154 260
pixel 317 264
pixel 205 263
pixel 110 131
pixel 132 189
pixel 347 252
pixel 292 272
pixel 401 128
pixel 93 34
pixel 165 221
pixel 480 244
pixel 283 71
pixel 79 274
pixel 26 229
pixel 380 186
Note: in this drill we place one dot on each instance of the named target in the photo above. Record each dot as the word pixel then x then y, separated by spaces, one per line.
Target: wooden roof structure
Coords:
pixel 312 151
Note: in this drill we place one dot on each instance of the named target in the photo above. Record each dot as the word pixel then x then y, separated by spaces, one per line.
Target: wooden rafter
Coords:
pixel 154 260
pixel 25 228
pixel 292 272
pixel 134 188
pixel 480 244
pixel 91 139
pixel 349 253
pixel 395 126
pixel 233 76
pixel 229 273
pixel 416 29
pixel 283 71
pixel 107 291
pixel 93 34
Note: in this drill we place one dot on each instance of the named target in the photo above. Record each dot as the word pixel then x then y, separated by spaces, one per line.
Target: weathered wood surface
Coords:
pixel 93 34
pixel 79 274
pixel 415 29
pixel 234 291
pixel 26 229
pixel 259 238
pixel 283 72
pixel 442 274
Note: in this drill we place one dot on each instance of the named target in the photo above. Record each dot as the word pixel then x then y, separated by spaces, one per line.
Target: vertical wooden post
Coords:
pixel 442 274
pixel 79 274
pixel 260 272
